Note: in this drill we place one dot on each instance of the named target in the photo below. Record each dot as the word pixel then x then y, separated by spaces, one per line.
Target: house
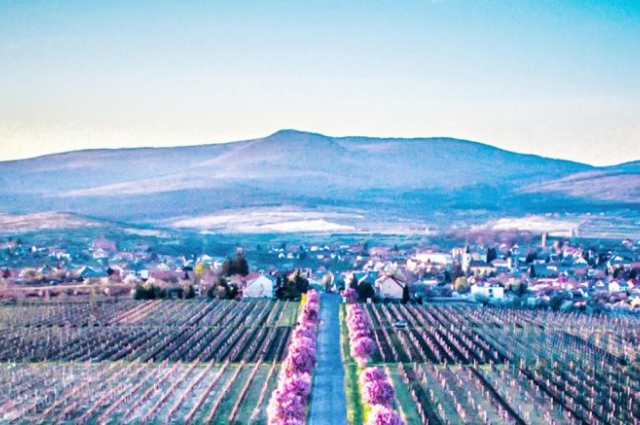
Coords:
pixel 579 261
pixel 494 291
pixel 421 287
pixel 390 287
pixel 131 279
pixel 441 258
pixel 481 268
pixel 59 254
pixel 87 272
pixel 618 286
pixel 502 265
pixel 104 244
pixel 100 254
pixel 260 286
pixel 162 267
pixel 369 277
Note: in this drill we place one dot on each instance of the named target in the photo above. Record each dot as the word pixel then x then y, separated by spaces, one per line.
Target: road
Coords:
pixel 328 403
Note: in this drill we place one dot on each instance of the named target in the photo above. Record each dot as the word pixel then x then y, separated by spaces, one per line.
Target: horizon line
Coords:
pixel 292 130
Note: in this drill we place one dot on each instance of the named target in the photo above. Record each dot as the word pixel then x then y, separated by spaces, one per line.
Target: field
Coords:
pixel 219 361
pixel 130 361
pixel 474 365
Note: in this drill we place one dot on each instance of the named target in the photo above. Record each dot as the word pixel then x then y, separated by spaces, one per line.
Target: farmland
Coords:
pixel 473 365
pixel 130 361
pixel 203 361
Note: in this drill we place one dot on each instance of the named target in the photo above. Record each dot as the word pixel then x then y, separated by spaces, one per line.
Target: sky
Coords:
pixel 558 78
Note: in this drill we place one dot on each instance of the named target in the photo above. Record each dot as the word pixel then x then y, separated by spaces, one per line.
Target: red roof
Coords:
pixel 252 276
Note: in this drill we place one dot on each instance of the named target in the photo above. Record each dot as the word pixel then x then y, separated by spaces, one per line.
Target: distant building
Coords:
pixel 481 268
pixel 502 265
pixel 390 287
pixel 434 258
pixel 262 286
pixel 495 292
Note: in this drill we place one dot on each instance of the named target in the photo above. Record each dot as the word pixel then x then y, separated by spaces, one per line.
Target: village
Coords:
pixel 544 272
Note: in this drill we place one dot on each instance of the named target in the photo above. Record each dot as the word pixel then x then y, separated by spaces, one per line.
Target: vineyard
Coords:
pixel 498 366
pixel 143 362
pixel 253 362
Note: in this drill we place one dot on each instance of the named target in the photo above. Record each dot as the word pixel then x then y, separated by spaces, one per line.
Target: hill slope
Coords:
pixel 404 177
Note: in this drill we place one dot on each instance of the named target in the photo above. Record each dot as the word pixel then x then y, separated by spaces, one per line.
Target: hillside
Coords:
pixel 377 176
pixel 606 187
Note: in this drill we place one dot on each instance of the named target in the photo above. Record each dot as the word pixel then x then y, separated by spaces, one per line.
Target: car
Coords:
pixel 400 324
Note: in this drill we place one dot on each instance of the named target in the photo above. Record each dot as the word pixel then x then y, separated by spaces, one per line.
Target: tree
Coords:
pixel 217 292
pixel 353 282
pixel 190 293
pixel 226 267
pixel 223 290
pixel 456 272
pixel 522 289
pixel 617 272
pixel 292 286
pixel 200 269
pixel 301 282
pixel 491 255
pixel 149 292
pixel 405 294
pixel 365 290
pixel 242 266
pixel 237 266
pixel 461 285
pixel 327 281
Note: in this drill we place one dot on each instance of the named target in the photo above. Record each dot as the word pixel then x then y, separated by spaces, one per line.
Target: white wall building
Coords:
pixel 495 292
pixel 390 287
pixel 260 287
pixel 442 258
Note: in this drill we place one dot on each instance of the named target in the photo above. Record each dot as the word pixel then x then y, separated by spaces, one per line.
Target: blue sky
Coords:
pixel 555 78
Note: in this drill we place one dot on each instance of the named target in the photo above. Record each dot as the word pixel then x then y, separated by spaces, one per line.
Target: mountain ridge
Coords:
pixel 411 176
pixel 291 131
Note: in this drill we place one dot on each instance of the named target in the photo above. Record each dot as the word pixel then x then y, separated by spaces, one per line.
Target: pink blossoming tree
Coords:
pixel 287 405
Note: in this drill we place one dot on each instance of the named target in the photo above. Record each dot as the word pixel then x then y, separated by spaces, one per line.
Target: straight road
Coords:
pixel 328 403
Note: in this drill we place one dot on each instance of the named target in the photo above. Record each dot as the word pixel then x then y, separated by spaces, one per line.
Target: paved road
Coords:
pixel 328 403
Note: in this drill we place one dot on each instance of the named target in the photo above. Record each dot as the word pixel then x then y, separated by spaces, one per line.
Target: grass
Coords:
pixel 250 402
pixel 403 398
pixel 290 315
pixel 229 400
pixel 355 408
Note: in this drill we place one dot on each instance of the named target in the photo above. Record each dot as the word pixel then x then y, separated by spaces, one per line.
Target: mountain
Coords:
pixel 633 167
pixel 605 187
pixel 377 176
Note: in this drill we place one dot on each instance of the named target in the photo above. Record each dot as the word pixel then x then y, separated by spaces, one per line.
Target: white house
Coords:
pixel 502 265
pixel 620 286
pixel 100 254
pixel 262 286
pixel 389 286
pixel 434 258
pixel 579 261
pixel 495 292
pixel 162 267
